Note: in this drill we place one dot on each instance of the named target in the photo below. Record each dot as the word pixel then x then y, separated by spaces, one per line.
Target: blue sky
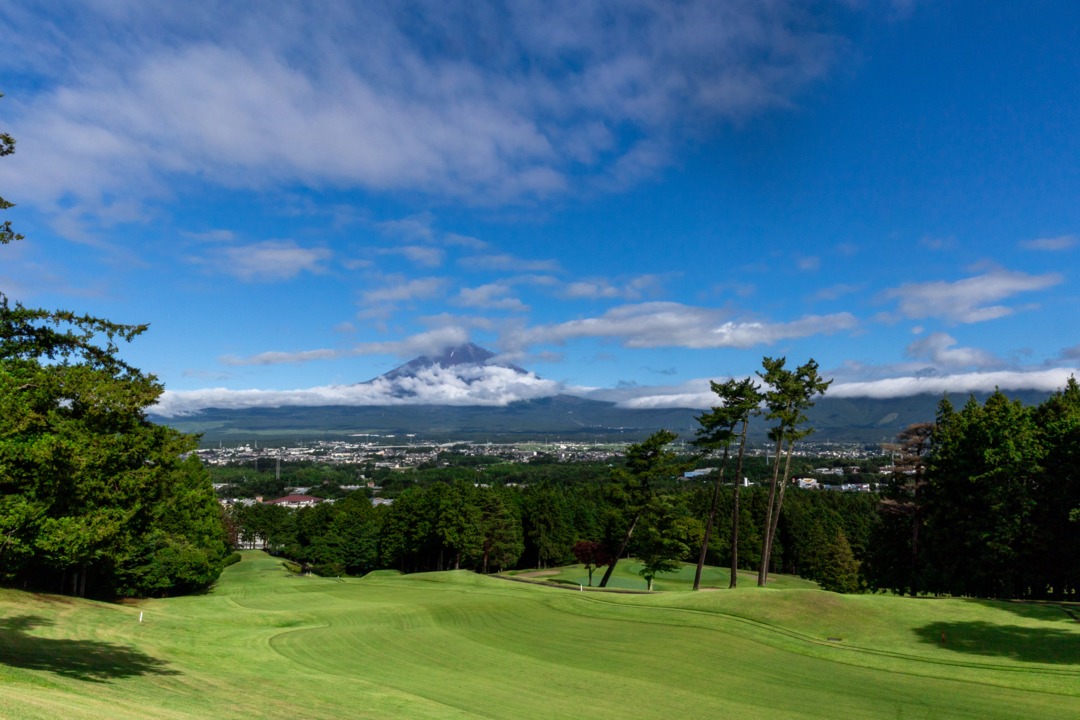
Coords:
pixel 627 198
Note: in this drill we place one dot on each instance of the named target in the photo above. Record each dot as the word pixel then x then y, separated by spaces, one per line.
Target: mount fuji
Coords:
pixel 467 393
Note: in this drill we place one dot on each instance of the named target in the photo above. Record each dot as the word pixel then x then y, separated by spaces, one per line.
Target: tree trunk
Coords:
pixel 916 517
pixel 774 520
pixel 735 512
pixel 763 571
pixel 709 522
pixel 622 549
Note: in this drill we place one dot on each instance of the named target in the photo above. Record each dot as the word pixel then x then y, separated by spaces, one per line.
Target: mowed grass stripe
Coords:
pixel 852 630
pixel 448 645
pixel 599 657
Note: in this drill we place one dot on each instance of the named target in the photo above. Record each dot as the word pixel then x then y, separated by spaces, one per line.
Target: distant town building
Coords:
pixel 296 501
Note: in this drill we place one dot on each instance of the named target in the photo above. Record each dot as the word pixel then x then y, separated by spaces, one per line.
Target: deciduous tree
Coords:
pixel 592 554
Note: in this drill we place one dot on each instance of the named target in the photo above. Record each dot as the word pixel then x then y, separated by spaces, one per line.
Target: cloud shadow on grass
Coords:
pixel 1028 644
pixel 89 660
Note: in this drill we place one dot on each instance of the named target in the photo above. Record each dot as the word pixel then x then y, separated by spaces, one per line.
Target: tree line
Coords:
pixel 446 525
pixel 986 502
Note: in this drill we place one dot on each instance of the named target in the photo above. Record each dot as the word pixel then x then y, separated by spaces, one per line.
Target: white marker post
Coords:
pixel 140 616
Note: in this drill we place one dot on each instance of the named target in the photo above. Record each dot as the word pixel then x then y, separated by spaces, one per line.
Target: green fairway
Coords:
pixel 455 644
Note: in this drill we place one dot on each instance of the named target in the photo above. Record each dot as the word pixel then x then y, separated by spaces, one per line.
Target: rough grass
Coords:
pixel 455 645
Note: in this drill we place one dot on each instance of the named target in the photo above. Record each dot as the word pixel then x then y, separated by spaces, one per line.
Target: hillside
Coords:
pixel 858 420
pixel 268 644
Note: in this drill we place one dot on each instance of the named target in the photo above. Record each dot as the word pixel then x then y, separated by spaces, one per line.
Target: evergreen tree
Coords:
pixel 646 463
pixel 659 544
pixel 738 401
pixel 897 557
pixel 94 498
pixel 789 394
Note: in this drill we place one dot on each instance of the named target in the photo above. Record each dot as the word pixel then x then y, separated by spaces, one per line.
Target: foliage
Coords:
pixel 591 554
pixel 451 525
pixel 664 540
pixel 94 499
pixel 993 505
pixel 647 463
pixel 739 400
pixel 789 394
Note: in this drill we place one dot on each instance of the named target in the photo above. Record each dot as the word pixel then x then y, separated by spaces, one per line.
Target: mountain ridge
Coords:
pixel 851 420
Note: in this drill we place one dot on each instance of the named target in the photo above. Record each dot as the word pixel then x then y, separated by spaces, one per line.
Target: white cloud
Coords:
pixel 496 386
pixel 493 296
pixel 1051 244
pixel 835 292
pixel 603 289
pixel 508 263
pixel 465 241
pixel 670 324
pixel 219 235
pixel 940 349
pixel 402 290
pixel 426 343
pixel 969 300
pixel 423 255
pixel 1042 380
pixel 697 394
pixel 475 102
pixel 463 385
pixel 265 261
pixel 416 227
pixel 274 357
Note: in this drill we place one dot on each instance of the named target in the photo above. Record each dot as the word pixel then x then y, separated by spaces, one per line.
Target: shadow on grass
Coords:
pixel 89 660
pixel 1045 610
pixel 1039 645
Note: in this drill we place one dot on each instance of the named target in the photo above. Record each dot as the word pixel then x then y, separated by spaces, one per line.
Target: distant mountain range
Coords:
pixel 858 420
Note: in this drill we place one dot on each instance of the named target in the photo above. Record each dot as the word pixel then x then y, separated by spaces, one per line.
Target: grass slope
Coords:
pixel 627 577
pixel 457 645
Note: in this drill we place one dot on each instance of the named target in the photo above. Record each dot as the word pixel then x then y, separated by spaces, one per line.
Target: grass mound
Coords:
pixel 456 645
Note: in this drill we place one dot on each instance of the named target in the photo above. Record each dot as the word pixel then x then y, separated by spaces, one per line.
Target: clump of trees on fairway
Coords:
pixel 94 499
pixel 986 502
